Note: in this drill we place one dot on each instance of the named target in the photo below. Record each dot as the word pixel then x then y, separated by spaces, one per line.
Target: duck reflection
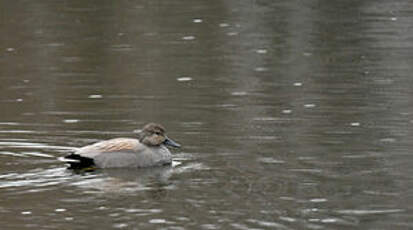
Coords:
pixel 127 180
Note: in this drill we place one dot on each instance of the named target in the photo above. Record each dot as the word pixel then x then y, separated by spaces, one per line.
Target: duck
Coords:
pixel 147 150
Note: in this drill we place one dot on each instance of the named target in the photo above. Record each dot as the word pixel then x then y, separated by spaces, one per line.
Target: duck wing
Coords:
pixel 110 146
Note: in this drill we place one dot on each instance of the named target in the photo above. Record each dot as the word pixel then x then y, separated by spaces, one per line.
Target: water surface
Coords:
pixel 292 115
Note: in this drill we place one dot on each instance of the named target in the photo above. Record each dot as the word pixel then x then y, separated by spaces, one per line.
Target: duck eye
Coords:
pixel 157 133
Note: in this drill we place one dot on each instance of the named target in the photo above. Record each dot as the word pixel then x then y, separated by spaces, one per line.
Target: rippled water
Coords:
pixel 292 114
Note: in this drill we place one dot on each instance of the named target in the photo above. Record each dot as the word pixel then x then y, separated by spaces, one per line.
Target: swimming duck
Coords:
pixel 148 150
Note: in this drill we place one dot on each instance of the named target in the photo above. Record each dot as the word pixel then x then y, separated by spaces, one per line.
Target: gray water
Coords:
pixel 292 114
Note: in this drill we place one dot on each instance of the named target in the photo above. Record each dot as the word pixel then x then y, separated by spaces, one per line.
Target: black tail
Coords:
pixel 76 161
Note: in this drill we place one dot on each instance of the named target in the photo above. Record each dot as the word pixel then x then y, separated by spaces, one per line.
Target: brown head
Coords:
pixel 154 134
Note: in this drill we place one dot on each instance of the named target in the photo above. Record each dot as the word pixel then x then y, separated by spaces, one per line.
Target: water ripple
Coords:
pixel 267 224
pixel 368 212
pixel 35 178
pixel 33 145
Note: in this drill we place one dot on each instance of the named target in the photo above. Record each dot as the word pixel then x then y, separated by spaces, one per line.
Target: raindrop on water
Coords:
pixel 184 79
pixel 261 51
pixel 309 105
pixel 120 225
pixel 260 69
pixel 188 38
pixel 157 221
pixel 70 121
pixel 288 219
pixel 95 96
pixel 388 140
pixel 232 33
pixel 270 160
pixel 329 220
pixel 241 93
pixel 318 200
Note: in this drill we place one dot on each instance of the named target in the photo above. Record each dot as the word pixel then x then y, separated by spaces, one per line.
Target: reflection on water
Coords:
pixel 134 180
pixel 292 115
pixel 100 180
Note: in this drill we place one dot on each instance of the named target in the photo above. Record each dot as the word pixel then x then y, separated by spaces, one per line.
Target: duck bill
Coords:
pixel 170 142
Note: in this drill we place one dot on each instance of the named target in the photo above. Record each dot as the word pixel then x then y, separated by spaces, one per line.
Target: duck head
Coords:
pixel 153 134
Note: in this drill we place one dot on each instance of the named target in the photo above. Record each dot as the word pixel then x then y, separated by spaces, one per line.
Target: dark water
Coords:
pixel 292 114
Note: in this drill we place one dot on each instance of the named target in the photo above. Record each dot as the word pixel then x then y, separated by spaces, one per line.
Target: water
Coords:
pixel 292 115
